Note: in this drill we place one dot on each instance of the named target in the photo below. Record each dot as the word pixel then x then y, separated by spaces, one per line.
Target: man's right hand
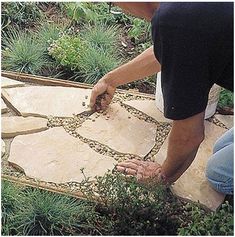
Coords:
pixel 102 87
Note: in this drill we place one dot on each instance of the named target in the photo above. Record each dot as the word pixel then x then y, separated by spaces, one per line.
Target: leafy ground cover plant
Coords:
pixel 133 208
pixel 214 223
pixel 226 98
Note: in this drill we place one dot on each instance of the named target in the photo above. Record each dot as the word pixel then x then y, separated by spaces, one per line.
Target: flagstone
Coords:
pixel 16 125
pixel 49 100
pixel 148 107
pixel 4 108
pixel 3 150
pixel 193 184
pixel 227 120
pixel 55 156
pixel 121 131
pixel 8 83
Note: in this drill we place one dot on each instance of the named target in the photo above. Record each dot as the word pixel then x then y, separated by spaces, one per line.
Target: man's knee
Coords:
pixel 218 178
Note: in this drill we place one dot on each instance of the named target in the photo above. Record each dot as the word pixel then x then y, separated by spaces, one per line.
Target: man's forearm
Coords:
pixel 142 66
pixel 184 140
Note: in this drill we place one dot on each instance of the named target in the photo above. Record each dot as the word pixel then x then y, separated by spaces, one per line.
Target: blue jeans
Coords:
pixel 219 170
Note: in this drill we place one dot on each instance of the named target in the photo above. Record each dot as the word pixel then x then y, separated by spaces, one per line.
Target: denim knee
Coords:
pixel 219 170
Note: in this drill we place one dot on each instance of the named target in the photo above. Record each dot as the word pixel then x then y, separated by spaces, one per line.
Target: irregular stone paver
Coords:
pixel 16 125
pixel 8 83
pixel 148 107
pixel 55 156
pixel 3 150
pixel 49 100
pixel 193 184
pixel 121 131
pixel 4 108
pixel 227 120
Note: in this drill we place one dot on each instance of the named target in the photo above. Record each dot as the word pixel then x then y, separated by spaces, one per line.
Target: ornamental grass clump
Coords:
pixel 22 53
pixel 102 37
pixel 44 213
pixel 10 196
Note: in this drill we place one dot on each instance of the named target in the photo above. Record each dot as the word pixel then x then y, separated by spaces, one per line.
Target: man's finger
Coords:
pixel 124 170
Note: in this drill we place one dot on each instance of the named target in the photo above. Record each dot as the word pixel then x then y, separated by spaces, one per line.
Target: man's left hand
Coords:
pixel 145 171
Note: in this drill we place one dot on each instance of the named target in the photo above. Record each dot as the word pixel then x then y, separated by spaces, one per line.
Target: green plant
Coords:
pixel 226 98
pixel 10 196
pixel 214 223
pixel 102 36
pixel 133 208
pixel 47 33
pixel 140 30
pixel 92 13
pixel 66 50
pixel 44 213
pixel 22 53
pixel 22 14
pixel 95 63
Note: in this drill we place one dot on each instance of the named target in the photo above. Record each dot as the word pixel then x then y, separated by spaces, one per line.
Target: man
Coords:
pixel 193 48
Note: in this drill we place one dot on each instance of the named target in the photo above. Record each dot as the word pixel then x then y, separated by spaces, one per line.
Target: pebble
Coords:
pixel 83 103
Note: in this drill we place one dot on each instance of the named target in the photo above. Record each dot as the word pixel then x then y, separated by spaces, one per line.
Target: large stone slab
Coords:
pixel 3 150
pixel 55 156
pixel 9 83
pixel 16 125
pixel 148 107
pixel 227 120
pixel 193 184
pixel 121 131
pixel 48 100
pixel 4 108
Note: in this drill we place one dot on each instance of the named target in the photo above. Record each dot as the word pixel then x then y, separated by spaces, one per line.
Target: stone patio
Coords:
pixel 9 83
pixel 4 108
pixel 132 127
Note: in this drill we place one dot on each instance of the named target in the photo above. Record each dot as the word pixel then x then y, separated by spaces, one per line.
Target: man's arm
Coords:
pixel 143 65
pixel 184 140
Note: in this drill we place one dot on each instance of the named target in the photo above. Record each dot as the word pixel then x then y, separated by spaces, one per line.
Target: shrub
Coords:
pixel 133 208
pixel 22 53
pixel 214 223
pixel 44 213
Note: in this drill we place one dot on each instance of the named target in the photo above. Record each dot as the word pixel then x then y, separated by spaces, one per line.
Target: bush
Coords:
pixel 22 53
pixel 214 223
